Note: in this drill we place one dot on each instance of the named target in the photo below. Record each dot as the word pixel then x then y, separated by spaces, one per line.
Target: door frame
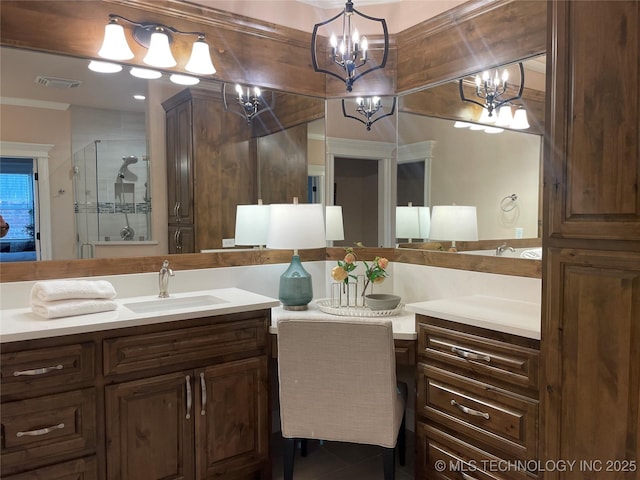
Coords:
pixel 39 153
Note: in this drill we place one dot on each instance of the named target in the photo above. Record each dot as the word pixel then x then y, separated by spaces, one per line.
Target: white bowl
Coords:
pixel 381 301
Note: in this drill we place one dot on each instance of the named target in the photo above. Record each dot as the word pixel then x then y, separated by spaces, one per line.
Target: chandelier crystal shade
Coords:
pixel 157 39
pixel 349 52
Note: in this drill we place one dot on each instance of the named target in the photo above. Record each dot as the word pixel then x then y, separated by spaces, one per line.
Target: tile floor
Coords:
pixel 339 461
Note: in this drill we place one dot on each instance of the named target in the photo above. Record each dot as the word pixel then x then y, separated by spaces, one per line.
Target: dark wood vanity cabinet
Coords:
pixel 477 402
pixel 211 168
pixel 181 400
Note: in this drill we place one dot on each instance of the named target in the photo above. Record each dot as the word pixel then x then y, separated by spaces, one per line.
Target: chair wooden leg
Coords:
pixel 402 442
pixel 303 447
pixel 389 463
pixel 288 454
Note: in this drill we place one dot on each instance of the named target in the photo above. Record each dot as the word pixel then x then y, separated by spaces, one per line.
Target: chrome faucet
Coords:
pixel 500 250
pixel 163 280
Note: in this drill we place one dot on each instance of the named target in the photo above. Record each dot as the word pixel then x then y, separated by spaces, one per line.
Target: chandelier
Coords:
pixel 349 52
pixel 250 100
pixel 368 108
pixel 490 87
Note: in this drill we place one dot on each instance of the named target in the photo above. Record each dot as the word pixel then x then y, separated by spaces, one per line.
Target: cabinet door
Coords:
pixel 232 427
pixel 180 164
pixel 149 426
pixel 181 239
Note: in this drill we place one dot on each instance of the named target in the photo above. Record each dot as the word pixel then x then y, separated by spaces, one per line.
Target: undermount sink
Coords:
pixel 173 303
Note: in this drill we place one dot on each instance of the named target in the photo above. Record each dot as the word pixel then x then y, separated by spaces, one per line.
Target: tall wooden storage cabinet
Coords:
pixel 210 170
pixel 591 312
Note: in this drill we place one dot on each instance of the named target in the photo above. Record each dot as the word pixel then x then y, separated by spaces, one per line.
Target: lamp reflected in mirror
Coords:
pixel 252 225
pixel 454 223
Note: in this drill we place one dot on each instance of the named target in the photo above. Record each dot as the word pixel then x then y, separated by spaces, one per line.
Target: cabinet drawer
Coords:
pixel 48 429
pixel 443 456
pixel 480 411
pixel 503 361
pixel 174 347
pixel 47 370
pixel 81 469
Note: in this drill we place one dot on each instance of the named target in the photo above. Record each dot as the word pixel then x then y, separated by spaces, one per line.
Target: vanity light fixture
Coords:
pixel 349 52
pixel 157 38
pixel 104 67
pixel 145 73
pixel 490 87
pixel 184 79
pixel 368 108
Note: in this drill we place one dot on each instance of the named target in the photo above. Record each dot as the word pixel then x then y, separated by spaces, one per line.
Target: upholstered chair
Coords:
pixel 338 383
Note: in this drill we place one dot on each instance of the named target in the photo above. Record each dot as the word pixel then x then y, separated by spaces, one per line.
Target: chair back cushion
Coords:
pixel 338 380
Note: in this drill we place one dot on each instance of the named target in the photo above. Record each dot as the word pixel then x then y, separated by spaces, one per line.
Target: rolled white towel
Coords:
pixel 52 290
pixel 69 308
pixel 534 253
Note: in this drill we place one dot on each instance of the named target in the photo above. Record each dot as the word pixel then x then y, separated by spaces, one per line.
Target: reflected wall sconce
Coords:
pixel 490 87
pixel 454 223
pixel 368 108
pixel 349 52
pixel 157 38
pixel 252 103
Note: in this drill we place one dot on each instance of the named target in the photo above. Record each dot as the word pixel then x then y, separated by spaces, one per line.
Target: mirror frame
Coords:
pixel 496 33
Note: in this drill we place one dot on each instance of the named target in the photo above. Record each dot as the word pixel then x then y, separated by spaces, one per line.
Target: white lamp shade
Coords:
pixel 454 223
pixel 114 45
pixel 159 53
pixel 200 60
pixel 505 117
pixel 145 73
pixel 252 224
pixel 296 226
pixel 104 67
pixel 520 121
pixel 407 222
pixel 485 118
pixel 334 223
pixel 424 219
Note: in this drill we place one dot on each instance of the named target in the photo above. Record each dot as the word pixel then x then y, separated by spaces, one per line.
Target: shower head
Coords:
pixel 124 173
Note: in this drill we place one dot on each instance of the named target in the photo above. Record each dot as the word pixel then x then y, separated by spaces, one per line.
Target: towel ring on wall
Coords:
pixel 505 206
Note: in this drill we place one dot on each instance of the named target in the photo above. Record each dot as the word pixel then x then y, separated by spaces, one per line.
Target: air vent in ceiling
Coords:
pixel 54 82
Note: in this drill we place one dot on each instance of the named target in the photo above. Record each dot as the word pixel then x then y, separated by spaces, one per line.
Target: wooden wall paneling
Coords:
pixel 279 56
pixel 484 34
pixel 598 156
pixel 283 166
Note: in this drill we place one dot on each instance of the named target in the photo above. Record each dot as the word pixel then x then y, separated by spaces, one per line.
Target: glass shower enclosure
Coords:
pixel 112 195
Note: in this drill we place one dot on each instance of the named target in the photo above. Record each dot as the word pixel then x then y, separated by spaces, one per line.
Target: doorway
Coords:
pixel 356 190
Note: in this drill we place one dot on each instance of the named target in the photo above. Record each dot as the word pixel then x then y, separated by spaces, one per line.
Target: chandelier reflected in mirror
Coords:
pixel 370 108
pixel 490 88
pixel 250 100
pixel 344 56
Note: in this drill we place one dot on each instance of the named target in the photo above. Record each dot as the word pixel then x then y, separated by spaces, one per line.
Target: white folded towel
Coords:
pixel 534 253
pixel 68 308
pixel 52 290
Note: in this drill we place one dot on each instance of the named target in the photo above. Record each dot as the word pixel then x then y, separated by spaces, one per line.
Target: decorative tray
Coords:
pixel 325 306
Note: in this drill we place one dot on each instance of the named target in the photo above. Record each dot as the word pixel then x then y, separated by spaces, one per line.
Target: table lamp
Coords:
pixel 252 224
pixel 292 227
pixel 424 220
pixel 334 226
pixel 407 222
pixel 454 222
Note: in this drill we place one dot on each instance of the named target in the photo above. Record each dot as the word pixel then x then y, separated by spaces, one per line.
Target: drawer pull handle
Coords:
pixel 470 411
pixel 203 390
pixel 37 371
pixel 41 431
pixel 187 381
pixel 470 355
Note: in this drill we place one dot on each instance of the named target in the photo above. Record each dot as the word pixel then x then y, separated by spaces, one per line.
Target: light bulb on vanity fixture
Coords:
pixel 157 38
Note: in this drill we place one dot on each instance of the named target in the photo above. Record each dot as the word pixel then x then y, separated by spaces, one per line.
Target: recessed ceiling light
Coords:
pixel 104 67
pixel 184 79
pixel 139 97
pixel 145 73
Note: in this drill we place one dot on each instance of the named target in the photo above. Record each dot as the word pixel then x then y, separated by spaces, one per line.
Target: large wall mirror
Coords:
pixel 98 140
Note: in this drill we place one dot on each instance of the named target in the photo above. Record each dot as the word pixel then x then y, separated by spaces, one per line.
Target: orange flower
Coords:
pixel 383 263
pixel 339 274
pixel 349 258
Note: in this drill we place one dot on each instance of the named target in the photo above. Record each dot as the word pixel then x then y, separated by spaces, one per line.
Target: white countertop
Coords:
pixel 22 324
pixel 404 324
pixel 495 313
